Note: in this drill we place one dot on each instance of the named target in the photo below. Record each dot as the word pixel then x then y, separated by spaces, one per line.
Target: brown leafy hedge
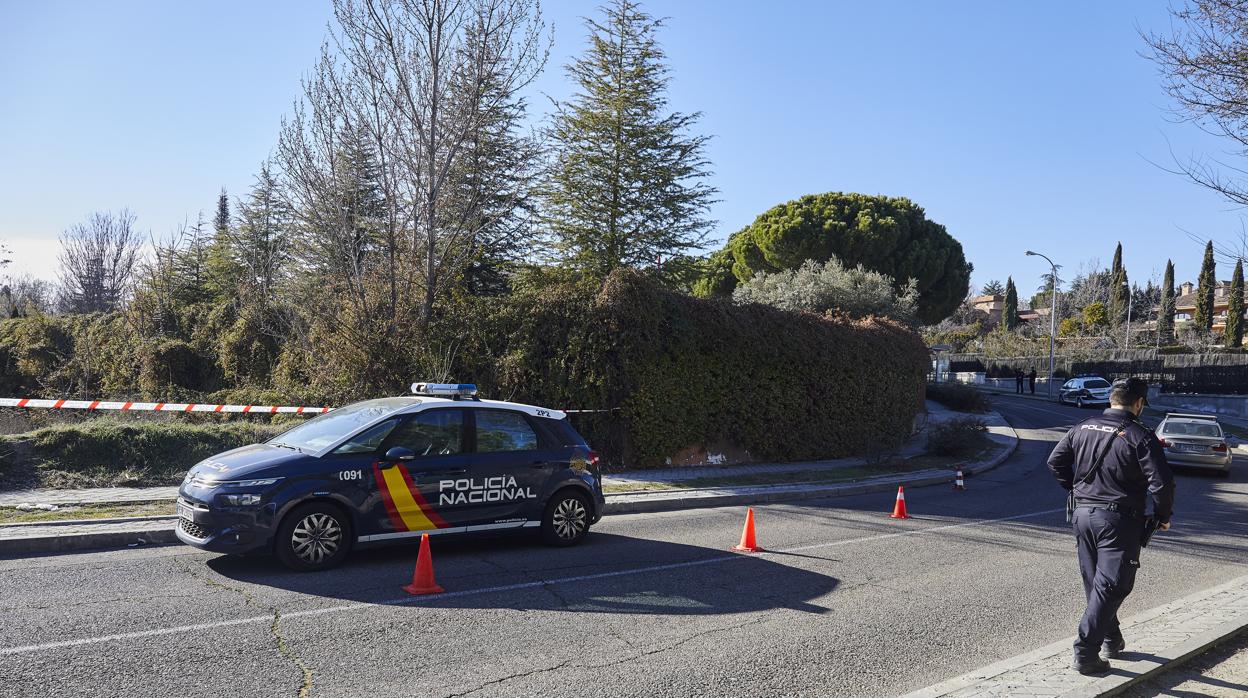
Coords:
pixel 680 372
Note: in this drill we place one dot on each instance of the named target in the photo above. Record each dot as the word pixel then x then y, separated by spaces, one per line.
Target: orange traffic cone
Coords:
pixel 748 544
pixel 899 511
pixel 958 484
pixel 422 579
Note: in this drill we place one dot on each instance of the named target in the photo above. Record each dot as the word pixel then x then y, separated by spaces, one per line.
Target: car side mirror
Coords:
pixel 399 453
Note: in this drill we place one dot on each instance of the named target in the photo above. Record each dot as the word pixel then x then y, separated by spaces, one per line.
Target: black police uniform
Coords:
pixel 1109 514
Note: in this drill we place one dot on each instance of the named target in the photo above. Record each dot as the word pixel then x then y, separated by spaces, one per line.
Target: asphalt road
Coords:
pixel 850 603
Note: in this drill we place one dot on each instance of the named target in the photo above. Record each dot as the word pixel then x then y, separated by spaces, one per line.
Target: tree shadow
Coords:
pixel 606 574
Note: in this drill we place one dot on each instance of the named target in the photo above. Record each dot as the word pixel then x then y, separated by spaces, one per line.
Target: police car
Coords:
pixel 440 461
pixel 1085 390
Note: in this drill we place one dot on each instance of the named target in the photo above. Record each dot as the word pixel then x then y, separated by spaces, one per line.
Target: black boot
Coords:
pixel 1091 666
pixel 1112 648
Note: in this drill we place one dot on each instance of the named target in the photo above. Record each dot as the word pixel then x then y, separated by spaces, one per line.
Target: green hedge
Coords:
pixel 681 372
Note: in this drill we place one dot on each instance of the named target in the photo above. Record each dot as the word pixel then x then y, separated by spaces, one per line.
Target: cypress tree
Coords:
pixel 1009 316
pixel 1165 315
pixel 1120 292
pixel 626 187
pixel 1235 311
pixel 1204 291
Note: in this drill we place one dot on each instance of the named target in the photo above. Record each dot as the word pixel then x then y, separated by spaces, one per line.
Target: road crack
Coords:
pixel 275 627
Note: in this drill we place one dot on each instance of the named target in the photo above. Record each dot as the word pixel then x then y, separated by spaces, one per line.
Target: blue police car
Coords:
pixel 439 461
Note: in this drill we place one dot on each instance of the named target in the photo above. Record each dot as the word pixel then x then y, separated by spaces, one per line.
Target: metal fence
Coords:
pixel 1219 374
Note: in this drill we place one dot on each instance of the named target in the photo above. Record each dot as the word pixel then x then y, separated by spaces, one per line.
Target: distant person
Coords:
pixel 1031 380
pixel 1112 465
pixel 1018 381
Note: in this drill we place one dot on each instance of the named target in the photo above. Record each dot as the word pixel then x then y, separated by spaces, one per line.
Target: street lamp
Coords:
pixel 1130 300
pixel 1052 317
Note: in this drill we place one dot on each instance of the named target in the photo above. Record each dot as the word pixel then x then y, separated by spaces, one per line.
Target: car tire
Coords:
pixel 1079 403
pixel 566 520
pixel 314 537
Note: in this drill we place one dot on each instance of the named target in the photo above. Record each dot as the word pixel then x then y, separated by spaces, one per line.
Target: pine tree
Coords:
pixel 1009 316
pixel 493 175
pixel 992 288
pixel 1204 291
pixel 626 188
pixel 261 243
pixel 222 269
pixel 190 264
pixel 1235 310
pixel 1165 316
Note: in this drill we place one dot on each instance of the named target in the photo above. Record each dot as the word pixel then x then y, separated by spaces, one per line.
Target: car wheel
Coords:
pixel 1079 403
pixel 314 537
pixel 566 521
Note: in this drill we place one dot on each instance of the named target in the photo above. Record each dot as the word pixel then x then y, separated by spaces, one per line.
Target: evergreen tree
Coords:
pixel 1235 311
pixel 493 175
pixel 992 288
pixel 626 187
pixel 221 267
pixel 1120 289
pixel 190 263
pixel 261 244
pixel 1165 316
pixel 1009 316
pixel 1204 291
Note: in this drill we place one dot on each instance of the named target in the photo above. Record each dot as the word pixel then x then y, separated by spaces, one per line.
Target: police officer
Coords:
pixel 1110 509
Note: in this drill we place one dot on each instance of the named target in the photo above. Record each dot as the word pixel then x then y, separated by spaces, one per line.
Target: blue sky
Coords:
pixel 1015 124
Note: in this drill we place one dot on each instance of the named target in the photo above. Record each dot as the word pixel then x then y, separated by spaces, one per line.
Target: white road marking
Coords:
pixel 62 644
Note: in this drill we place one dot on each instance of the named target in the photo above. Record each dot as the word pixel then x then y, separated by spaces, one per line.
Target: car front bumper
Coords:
pixel 222 530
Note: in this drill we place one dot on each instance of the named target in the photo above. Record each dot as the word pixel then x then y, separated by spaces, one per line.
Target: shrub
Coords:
pixel 959 397
pixel 109 452
pixel 830 286
pixel 962 436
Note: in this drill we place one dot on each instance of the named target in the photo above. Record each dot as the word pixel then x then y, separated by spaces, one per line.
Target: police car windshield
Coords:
pixel 334 426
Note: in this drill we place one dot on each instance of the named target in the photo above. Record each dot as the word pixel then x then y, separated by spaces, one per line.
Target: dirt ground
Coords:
pixel 1222 673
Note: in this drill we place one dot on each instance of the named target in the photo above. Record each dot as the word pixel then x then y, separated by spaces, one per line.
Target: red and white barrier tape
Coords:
pixel 156 406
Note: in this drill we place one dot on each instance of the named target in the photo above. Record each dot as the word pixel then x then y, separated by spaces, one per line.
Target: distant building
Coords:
pixel 992 306
pixel 1034 315
pixel 1185 304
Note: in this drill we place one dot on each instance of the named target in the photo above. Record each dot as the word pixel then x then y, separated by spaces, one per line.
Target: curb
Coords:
pixel 154 530
pixel 1113 684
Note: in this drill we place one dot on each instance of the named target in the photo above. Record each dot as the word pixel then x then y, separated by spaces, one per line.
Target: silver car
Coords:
pixel 1084 391
pixel 1196 440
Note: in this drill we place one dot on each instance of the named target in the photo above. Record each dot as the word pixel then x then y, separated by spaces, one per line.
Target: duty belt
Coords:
pixel 1110 506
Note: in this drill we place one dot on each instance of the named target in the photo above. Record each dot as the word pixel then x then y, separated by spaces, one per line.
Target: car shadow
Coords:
pixel 605 574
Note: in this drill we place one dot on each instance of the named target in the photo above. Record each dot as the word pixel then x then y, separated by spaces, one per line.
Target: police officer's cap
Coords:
pixel 1127 391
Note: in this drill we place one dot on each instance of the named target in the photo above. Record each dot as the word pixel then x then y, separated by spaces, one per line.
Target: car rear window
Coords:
pixel 1096 383
pixel 1205 429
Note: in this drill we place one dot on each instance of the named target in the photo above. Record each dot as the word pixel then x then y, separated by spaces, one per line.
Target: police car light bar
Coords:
pixel 451 390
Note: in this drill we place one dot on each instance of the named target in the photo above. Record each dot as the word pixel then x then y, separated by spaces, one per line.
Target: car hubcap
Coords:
pixel 569 518
pixel 316 538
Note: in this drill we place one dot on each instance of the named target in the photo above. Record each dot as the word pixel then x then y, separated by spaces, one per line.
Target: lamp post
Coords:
pixel 1052 317
pixel 1130 301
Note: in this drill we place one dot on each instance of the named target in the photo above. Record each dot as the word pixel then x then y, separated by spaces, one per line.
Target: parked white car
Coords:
pixel 1084 391
pixel 1195 440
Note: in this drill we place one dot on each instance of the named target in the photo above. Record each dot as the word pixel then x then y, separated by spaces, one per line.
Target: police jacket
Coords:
pixel 1134 468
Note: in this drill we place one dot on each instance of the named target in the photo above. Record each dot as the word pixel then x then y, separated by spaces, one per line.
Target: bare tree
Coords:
pixel 98 259
pixel 417 56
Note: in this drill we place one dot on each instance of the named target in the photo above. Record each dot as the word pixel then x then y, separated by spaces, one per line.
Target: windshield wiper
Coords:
pixel 282 445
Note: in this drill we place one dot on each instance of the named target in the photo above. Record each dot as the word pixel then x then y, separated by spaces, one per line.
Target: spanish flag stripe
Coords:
pixel 411 513
pixel 420 499
pixel 395 519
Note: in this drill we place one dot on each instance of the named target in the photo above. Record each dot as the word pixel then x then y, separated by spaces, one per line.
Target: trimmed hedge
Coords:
pixel 959 397
pixel 680 372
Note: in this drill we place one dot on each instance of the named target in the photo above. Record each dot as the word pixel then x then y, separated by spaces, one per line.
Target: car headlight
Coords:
pixel 239 500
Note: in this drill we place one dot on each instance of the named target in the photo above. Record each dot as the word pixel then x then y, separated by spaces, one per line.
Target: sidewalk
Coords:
pixel 83 534
pixel 1158 640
